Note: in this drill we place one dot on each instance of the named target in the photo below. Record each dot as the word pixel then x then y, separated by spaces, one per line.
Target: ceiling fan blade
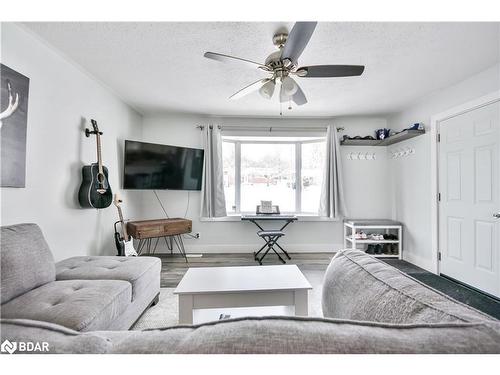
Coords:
pixel 249 89
pixel 297 40
pixel 330 71
pixel 232 59
pixel 299 98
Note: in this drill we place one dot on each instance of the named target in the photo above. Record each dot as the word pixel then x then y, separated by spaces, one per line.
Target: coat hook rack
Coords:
pixel 402 152
pixel 362 156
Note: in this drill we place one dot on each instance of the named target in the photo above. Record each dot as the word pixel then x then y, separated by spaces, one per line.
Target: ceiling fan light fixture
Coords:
pixel 284 62
pixel 267 89
pixel 289 86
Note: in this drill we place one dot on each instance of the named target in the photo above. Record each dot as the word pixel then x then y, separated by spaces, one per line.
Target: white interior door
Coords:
pixel 469 169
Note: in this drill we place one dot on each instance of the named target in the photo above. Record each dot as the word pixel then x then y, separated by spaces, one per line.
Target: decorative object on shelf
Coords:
pixel 282 64
pixel 417 126
pixel 400 153
pixel 361 156
pixel 13 126
pixel 124 243
pixel 382 133
pixel 366 137
pixel 95 191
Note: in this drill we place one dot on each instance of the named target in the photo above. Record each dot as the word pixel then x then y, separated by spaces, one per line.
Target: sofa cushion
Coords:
pixel 269 335
pixel 140 272
pixel 26 260
pixel 82 305
pixel 358 286
pixel 60 339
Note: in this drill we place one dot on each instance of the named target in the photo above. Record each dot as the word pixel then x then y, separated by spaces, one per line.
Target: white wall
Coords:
pixel 366 186
pixel 411 177
pixel 61 102
pixel 63 98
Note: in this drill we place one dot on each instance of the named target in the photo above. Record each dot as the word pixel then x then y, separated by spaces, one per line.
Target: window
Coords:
pixel 286 170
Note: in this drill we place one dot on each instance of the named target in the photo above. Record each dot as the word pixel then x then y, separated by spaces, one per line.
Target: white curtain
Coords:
pixel 213 201
pixel 332 203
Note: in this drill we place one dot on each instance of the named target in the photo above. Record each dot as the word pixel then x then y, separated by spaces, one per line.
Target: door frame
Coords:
pixel 435 122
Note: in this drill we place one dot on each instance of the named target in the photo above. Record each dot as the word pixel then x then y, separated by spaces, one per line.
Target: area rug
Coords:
pixel 166 312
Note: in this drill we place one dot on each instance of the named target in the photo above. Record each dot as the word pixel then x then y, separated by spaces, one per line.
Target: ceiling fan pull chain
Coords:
pixel 289 104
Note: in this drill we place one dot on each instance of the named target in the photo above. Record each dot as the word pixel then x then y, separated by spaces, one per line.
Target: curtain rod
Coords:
pixel 269 128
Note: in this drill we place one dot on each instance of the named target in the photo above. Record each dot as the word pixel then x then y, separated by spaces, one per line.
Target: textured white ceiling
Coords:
pixel 159 67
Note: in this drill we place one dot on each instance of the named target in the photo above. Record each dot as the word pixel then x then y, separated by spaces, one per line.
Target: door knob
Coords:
pixel 497 215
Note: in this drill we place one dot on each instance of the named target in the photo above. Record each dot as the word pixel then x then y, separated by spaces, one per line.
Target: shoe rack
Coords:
pixel 353 226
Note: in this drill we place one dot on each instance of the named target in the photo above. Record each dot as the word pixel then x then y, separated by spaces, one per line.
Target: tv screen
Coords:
pixel 154 166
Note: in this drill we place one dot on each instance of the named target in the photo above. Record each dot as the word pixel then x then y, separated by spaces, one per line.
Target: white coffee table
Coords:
pixel 236 287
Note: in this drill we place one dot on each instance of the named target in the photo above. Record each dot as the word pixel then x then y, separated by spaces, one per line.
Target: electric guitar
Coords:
pixel 95 191
pixel 124 244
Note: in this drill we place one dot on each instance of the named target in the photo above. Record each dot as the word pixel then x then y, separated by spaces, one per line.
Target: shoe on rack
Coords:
pixel 370 249
pixel 378 249
pixel 387 248
pixel 359 236
pixel 394 249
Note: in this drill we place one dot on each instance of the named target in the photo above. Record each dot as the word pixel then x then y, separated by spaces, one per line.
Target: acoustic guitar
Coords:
pixel 95 191
pixel 124 243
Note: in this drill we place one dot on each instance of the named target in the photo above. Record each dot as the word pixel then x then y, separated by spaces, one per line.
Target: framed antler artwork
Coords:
pixel 14 91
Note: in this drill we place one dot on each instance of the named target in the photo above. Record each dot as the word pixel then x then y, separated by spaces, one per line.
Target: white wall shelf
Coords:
pixel 402 136
pixel 377 225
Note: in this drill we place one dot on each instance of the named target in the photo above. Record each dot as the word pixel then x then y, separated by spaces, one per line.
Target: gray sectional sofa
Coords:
pixel 369 307
pixel 81 293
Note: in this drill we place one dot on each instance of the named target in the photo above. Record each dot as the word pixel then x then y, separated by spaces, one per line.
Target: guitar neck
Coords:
pixel 99 158
pixel 124 226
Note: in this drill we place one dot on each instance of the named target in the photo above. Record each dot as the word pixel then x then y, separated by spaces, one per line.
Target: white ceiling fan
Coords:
pixel 282 64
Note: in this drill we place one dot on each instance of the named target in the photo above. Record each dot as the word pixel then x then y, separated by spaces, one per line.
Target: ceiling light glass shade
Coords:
pixel 289 86
pixel 267 90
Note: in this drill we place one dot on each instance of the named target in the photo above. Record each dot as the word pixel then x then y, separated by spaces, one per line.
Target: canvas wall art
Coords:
pixel 14 89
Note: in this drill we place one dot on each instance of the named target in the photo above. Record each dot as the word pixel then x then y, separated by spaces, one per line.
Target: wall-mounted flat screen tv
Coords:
pixel 155 166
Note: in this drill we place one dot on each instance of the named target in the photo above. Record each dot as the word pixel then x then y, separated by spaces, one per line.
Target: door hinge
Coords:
pixel 439 255
pixel 438 137
pixel 439 197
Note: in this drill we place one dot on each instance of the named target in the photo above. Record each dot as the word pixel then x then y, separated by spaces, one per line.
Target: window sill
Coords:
pixel 237 217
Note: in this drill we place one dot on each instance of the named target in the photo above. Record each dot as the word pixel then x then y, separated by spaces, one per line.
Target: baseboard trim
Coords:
pixel 424 263
pixel 239 248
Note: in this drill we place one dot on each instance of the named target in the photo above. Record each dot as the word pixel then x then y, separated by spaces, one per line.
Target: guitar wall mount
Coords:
pixel 88 132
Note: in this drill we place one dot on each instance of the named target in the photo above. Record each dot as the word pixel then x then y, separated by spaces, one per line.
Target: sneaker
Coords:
pixel 395 249
pixel 370 249
pixel 378 249
pixel 359 236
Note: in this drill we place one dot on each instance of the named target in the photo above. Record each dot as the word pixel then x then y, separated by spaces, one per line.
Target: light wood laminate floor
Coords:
pixel 174 266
